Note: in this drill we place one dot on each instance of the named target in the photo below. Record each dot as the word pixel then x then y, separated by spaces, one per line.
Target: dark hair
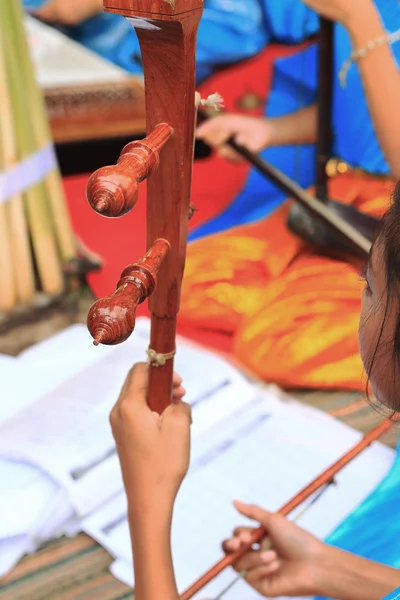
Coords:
pixel 388 238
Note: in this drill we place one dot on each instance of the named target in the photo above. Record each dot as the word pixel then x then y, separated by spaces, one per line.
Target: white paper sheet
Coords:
pixel 67 434
pixel 34 508
pixel 45 366
pixel 11 400
pixel 11 552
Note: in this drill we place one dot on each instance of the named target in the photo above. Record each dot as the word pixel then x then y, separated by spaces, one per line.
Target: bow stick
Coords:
pixel 325 223
pixel 167 31
pixel 356 241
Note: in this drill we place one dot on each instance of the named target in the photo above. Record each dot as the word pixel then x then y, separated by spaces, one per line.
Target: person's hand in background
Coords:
pixel 255 133
pixel 68 12
pixel 342 11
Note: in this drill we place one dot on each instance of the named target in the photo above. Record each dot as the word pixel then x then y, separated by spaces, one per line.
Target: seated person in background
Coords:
pixel 229 31
pixel 292 313
pixel 365 120
pixel 154 454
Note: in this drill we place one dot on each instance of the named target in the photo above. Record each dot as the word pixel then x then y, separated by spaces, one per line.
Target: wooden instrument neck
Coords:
pixel 158 10
pixel 167 32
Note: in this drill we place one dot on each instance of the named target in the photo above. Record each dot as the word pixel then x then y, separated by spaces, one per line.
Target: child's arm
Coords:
pixel 151 546
pixel 154 455
pixel 378 69
pixel 381 80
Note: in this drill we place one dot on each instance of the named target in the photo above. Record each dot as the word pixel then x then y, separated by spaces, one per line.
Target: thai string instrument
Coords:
pixel 300 220
pixel 167 34
pixel 331 227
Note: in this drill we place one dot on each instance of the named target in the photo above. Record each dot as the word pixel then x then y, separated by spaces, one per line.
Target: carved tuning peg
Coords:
pixel 112 191
pixel 111 320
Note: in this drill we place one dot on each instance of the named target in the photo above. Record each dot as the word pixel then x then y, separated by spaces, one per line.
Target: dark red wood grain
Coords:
pixel 111 320
pixel 169 67
pixel 167 31
pixel 112 191
pixel 168 53
pixel 158 9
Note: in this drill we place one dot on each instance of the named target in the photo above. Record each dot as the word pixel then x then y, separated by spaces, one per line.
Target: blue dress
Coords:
pixel 229 32
pixel 394 596
pixel 294 87
pixel 373 529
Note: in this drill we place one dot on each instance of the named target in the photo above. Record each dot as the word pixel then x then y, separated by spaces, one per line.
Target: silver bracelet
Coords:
pixel 357 55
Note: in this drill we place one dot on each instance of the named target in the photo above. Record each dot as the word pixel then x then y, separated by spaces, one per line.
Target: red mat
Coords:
pixel 215 183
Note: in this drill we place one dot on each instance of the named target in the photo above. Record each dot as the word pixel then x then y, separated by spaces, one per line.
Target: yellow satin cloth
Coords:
pixel 294 315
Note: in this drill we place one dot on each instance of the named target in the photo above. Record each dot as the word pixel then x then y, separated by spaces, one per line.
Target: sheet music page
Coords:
pixel 11 399
pixel 44 366
pixel 66 433
pixel 21 481
pixel 262 455
pixel 36 508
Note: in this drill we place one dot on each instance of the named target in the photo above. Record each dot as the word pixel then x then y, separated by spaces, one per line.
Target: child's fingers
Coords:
pixel 254 576
pixel 255 560
pixel 243 532
pixel 178 393
pixel 241 535
pixel 176 418
pixel 135 385
pixel 177 380
pixel 231 545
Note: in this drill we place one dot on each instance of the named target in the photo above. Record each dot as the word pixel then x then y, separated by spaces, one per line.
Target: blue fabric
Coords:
pixel 373 530
pixel 229 31
pixel 394 596
pixel 351 118
pixel 289 21
pixel 260 196
pixel 295 85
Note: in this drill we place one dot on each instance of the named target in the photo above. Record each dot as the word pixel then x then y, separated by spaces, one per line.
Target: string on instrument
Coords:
pixel 214 101
pixel 303 511
pixel 157 359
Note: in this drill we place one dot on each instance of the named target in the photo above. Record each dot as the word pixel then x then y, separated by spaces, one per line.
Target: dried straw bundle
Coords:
pixel 36 237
